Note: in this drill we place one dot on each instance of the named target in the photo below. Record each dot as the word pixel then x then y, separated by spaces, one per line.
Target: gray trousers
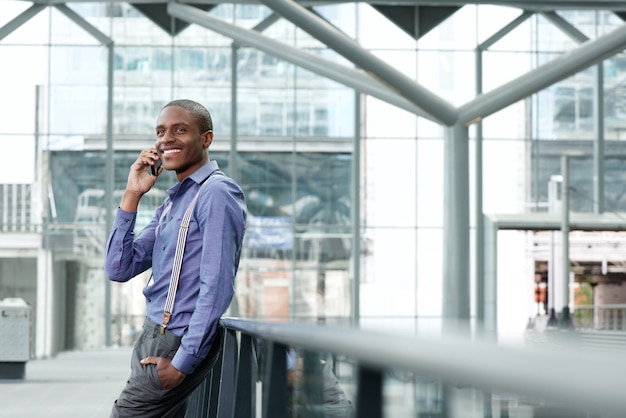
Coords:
pixel 143 396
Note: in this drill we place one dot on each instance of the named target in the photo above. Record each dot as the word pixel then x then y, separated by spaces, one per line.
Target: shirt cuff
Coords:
pixel 124 221
pixel 185 362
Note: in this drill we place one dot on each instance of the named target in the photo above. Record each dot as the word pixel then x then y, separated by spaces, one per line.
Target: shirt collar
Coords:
pixel 197 176
pixel 204 172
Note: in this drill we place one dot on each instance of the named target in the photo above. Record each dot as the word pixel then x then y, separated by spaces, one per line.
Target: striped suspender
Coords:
pixel 178 259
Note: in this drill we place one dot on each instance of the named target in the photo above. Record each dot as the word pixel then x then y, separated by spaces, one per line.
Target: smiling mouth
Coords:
pixel 170 151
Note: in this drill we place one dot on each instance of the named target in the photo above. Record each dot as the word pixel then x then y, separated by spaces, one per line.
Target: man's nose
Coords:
pixel 167 136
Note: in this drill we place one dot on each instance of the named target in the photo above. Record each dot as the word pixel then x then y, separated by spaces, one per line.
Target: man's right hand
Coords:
pixel 140 181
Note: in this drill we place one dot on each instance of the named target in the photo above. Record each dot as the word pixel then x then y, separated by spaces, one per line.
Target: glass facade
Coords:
pixel 295 132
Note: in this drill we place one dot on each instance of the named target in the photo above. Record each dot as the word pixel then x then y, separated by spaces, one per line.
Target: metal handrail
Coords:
pixel 611 317
pixel 529 372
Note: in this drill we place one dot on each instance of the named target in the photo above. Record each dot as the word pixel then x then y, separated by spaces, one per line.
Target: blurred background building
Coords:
pixel 365 208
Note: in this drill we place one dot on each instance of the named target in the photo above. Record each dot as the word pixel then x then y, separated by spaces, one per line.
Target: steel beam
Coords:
pixel 22 18
pixel 350 49
pixel 350 77
pixel 456 230
pixel 565 27
pixel 85 25
pixel 537 5
pixel 591 52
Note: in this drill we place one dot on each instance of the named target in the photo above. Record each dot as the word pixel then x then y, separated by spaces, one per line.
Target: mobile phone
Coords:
pixel 154 169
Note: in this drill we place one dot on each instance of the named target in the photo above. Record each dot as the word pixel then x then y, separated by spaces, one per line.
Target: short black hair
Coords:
pixel 197 111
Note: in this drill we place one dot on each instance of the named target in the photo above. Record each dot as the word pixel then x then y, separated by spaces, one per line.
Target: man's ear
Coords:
pixel 207 139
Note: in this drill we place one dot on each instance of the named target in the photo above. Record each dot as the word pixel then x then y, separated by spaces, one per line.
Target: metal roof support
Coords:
pixel 589 53
pixel 234 133
pixel 266 23
pixel 505 30
pixel 537 5
pixel 490 304
pixel 565 319
pixel 565 27
pixel 598 143
pixel 350 77
pixel 350 49
pixel 86 26
pixel 357 152
pixel 456 276
pixel 19 20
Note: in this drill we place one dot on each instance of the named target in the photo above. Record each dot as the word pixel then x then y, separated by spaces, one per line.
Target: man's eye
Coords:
pixel 180 129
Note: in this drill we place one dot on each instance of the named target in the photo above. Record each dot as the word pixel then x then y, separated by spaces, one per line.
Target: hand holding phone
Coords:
pixel 154 169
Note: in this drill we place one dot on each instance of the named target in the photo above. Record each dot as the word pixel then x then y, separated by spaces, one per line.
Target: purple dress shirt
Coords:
pixel 210 261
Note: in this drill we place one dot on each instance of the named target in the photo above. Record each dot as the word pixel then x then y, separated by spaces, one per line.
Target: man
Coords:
pixel 179 344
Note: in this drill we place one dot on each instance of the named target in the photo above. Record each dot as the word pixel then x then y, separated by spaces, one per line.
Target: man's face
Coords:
pixel 180 144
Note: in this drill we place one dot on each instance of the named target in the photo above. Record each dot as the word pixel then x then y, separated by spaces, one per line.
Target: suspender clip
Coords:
pixel 166 320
